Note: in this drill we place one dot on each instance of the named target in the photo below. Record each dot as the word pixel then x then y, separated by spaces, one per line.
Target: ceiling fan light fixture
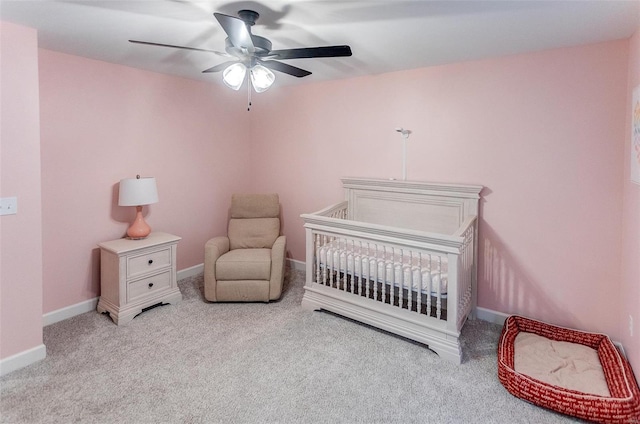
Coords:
pixel 233 76
pixel 253 53
pixel 261 78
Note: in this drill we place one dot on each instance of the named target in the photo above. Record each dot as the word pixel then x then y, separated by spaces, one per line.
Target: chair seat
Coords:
pixel 244 264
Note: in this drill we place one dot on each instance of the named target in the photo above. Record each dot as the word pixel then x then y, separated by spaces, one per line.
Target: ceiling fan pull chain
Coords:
pixel 248 92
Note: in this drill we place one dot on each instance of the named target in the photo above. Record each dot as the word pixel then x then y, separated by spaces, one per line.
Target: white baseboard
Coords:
pixel 297 265
pixel 90 305
pixel 492 316
pixel 190 272
pixel 499 318
pixel 22 359
pixel 69 311
pixel 620 348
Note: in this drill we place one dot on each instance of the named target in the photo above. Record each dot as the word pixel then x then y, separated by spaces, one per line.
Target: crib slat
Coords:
pixel 360 271
pixel 317 247
pixel 439 287
pixel 406 277
pixel 343 263
pixel 429 283
pixel 384 274
pixel 405 282
pixel 392 271
pixel 368 276
pixel 390 274
pixel 327 260
pixel 344 260
pixel 330 265
pixel 410 288
pixel 376 271
pixel 419 290
pixel 352 263
pixel 401 282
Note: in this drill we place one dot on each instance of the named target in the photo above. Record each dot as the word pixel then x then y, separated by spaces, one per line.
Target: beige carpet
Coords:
pixel 198 362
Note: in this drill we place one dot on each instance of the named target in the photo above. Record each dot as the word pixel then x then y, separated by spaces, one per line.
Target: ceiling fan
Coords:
pixel 253 52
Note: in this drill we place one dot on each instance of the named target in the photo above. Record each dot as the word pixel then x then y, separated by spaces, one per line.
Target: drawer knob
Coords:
pixel 150 285
pixel 150 261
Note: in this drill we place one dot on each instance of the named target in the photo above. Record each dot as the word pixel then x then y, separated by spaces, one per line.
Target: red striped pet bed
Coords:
pixel 623 406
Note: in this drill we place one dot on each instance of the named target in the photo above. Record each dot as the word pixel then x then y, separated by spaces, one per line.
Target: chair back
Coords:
pixel 255 221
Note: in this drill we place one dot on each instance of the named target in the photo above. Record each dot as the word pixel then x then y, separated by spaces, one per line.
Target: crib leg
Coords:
pixel 450 351
pixel 309 304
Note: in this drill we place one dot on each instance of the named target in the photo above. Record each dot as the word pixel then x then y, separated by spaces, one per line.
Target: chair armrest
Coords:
pixel 213 249
pixel 278 251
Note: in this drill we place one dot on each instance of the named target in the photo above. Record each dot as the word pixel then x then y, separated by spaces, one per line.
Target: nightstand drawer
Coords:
pixel 148 262
pixel 144 287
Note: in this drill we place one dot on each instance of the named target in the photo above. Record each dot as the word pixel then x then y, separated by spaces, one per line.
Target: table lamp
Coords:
pixel 138 192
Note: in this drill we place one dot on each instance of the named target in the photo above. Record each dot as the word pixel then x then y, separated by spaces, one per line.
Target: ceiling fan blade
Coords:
pixel 309 52
pixel 179 47
pixel 237 31
pixel 285 68
pixel 219 67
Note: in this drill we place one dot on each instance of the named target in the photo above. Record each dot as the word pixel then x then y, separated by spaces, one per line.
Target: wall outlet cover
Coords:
pixel 8 205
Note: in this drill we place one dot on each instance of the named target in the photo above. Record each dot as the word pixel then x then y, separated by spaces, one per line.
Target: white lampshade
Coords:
pixel 261 78
pixel 138 191
pixel 233 76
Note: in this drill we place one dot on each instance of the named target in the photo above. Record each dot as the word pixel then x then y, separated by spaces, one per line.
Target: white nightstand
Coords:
pixel 136 274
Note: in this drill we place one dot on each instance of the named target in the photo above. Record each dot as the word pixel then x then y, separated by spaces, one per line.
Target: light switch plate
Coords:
pixel 8 205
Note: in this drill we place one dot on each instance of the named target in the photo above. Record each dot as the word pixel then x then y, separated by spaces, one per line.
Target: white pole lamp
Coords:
pixel 138 192
pixel 405 135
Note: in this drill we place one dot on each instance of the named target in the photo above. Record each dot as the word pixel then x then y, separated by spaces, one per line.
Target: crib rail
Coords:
pixel 411 271
pixel 338 211
pixel 407 278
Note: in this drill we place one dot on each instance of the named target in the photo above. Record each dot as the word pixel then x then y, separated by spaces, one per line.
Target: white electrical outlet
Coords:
pixel 8 205
pixel 630 325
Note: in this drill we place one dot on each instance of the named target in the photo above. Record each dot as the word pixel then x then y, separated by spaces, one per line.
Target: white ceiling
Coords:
pixel 384 35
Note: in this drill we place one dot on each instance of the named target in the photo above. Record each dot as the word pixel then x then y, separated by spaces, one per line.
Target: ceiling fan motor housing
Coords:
pixel 249 16
pixel 262 46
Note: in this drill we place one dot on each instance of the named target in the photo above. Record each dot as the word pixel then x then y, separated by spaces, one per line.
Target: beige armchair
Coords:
pixel 248 264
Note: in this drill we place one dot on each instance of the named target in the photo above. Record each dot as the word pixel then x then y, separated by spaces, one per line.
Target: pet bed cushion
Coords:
pixel 563 364
pixel 619 403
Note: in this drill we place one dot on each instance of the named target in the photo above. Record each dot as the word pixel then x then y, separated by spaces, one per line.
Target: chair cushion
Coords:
pixel 243 291
pixel 255 206
pixel 253 233
pixel 244 264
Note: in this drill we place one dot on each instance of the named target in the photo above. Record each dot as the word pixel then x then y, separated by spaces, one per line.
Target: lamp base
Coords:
pixel 139 229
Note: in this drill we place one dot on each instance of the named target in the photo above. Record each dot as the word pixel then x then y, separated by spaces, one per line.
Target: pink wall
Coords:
pixel 542 132
pixel 545 133
pixel 102 122
pixel 21 234
pixel 630 290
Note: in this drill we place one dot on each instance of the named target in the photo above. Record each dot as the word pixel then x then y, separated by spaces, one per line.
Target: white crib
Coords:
pixel 397 255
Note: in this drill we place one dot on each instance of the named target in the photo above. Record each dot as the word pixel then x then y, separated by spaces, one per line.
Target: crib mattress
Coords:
pixel 426 273
pixel 612 396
